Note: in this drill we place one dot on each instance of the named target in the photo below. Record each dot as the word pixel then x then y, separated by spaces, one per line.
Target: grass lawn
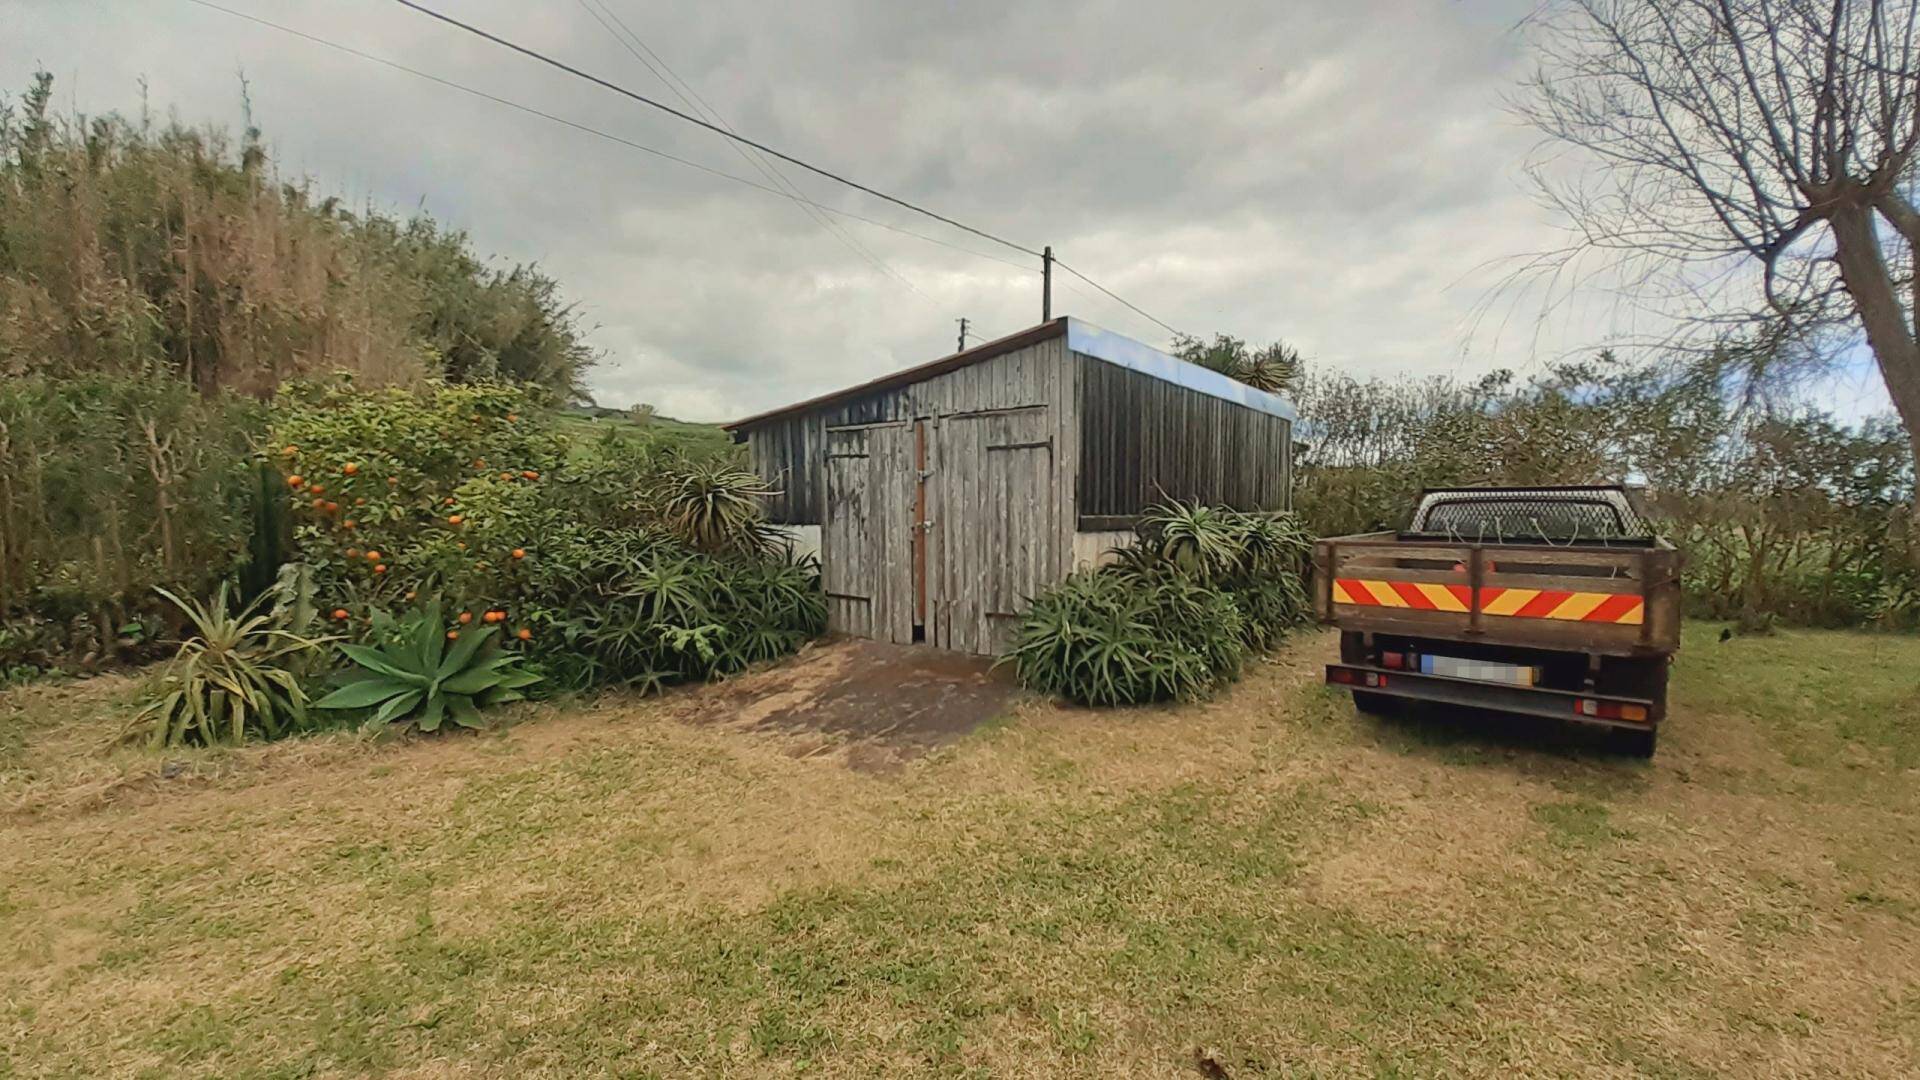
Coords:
pixel 1262 885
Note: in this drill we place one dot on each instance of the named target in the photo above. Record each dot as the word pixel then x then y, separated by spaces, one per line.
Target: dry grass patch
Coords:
pixel 630 889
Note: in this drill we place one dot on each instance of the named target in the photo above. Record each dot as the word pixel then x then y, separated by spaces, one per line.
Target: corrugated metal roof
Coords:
pixel 1082 337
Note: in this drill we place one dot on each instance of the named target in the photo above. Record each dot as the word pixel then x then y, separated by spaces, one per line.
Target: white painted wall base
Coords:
pixel 1090 548
pixel 804 539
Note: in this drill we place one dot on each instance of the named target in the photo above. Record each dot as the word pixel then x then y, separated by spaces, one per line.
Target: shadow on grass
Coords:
pixel 1576 757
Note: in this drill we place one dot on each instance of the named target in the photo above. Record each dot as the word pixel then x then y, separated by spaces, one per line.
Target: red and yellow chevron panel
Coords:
pixel 1623 608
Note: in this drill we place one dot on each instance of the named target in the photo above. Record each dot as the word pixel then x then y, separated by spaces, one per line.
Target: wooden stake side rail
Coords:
pixel 1611 601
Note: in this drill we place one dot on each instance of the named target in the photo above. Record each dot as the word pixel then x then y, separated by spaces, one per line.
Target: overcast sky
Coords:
pixel 1343 176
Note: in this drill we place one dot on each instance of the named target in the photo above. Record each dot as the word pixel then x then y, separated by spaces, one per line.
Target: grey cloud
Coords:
pixel 1337 175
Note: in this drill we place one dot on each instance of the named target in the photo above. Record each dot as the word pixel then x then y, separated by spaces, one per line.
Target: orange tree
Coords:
pixel 399 495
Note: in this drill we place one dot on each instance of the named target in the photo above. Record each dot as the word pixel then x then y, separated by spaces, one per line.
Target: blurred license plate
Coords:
pixel 1479 670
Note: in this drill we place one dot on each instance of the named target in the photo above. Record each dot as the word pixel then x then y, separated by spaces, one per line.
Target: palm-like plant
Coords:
pixel 230 681
pixel 412 675
pixel 1193 538
pixel 716 506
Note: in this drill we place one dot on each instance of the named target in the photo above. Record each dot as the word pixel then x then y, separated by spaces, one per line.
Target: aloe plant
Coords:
pixel 414 674
pixel 235 678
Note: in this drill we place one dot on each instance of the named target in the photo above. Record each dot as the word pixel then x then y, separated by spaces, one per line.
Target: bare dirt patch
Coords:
pixel 875 705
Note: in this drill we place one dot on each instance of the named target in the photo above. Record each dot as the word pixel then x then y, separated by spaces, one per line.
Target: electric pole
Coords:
pixel 963 335
pixel 1046 283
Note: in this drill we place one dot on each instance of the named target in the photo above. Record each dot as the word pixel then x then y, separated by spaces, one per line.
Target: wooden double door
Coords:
pixel 940 529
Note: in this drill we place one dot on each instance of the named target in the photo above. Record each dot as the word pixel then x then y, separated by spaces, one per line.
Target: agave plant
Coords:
pixel 235 678
pixel 414 675
pixel 716 506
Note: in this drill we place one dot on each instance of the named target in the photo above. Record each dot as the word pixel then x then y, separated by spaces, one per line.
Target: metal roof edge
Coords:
pixel 1120 351
pixel 987 351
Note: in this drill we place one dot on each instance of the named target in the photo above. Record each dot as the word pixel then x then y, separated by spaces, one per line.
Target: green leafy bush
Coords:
pixel 417 671
pixel 636 607
pixel 621 562
pixel 1106 638
pixel 1175 616
pixel 236 678
pixel 113 486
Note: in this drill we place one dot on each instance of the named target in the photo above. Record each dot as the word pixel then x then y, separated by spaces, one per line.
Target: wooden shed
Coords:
pixel 944 496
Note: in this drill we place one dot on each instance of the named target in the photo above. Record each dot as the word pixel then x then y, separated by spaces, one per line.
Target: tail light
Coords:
pixel 1611 710
pixel 1393 660
pixel 1348 677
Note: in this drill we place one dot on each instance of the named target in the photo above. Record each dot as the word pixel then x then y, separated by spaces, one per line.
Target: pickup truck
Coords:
pixel 1557 603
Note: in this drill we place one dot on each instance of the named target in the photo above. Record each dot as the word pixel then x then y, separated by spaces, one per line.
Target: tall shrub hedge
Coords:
pixel 1176 615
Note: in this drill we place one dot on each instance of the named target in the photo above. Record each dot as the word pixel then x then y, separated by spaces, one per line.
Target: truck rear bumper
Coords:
pixel 1537 701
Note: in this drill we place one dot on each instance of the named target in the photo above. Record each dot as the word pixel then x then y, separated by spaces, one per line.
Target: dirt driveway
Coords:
pixel 878 705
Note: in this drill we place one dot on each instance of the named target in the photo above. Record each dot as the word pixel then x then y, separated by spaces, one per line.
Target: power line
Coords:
pixel 752 158
pixel 1062 265
pixel 670 110
pixel 609 136
pixel 349 50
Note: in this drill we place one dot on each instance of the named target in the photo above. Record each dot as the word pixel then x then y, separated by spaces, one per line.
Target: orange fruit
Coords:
pixel 373 556
pixel 411 594
pixel 332 506
pixel 319 504
pixel 381 569
pixel 353 553
pixel 455 519
pixel 318 489
pixel 506 476
pixel 340 613
pixel 531 475
pixel 393 481
pixel 519 553
pixel 453 635
pixel 291 451
pixel 466 617
pixel 349 468
pixel 296 480
pixel 513 418
pixel 461 544
pixel 524 634
pixel 359 502
pixel 448 501
pixel 347 524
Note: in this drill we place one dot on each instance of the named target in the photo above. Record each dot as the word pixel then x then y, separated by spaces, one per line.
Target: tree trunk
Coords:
pixel 1864 270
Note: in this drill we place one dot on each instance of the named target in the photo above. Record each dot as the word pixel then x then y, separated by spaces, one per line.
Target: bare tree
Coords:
pixel 1749 158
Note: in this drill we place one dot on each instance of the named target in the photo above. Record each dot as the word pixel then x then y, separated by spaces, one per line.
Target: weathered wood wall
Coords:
pixel 786 451
pixel 1143 439
pixel 866 545
pixel 999 438
pixel 1023 451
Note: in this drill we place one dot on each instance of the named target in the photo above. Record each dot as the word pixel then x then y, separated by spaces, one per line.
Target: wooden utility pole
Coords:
pixel 1046 283
pixel 963 335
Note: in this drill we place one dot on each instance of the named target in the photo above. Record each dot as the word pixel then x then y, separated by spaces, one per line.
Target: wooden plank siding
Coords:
pixel 1000 447
pixel 1025 447
pixel 1143 440
pixel 865 548
pixel 786 451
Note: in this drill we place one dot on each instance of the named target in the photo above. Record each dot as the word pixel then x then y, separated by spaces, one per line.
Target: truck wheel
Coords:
pixel 1637 677
pixel 1377 704
pixel 1633 742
